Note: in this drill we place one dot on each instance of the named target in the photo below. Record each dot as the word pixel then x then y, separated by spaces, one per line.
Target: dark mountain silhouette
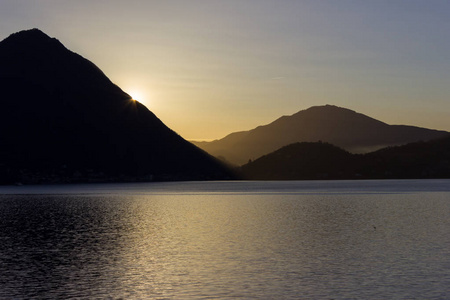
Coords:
pixel 324 161
pixel 345 128
pixel 61 117
pixel 300 161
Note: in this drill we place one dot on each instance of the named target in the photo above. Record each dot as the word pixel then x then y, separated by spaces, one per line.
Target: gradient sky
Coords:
pixel 209 68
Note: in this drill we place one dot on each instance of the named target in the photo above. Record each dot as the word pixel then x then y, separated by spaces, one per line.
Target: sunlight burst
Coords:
pixel 136 95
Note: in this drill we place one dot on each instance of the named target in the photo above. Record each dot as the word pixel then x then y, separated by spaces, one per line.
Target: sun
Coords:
pixel 136 95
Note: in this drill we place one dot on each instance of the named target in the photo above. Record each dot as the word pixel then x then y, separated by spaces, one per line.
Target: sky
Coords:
pixel 207 68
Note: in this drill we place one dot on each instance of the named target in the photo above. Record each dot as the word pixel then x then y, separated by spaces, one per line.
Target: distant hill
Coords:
pixel 301 161
pixel 325 161
pixel 342 127
pixel 62 119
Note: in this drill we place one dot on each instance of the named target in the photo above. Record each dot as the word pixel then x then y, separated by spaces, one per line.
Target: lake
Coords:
pixel 221 240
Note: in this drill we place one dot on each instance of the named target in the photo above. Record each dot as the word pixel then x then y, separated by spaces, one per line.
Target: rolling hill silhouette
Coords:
pixel 301 161
pixel 324 161
pixel 342 127
pixel 61 117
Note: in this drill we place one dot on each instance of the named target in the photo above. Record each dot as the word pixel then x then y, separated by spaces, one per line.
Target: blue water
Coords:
pixel 222 240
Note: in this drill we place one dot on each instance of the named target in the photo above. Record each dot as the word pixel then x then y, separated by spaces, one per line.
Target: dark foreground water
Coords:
pixel 207 240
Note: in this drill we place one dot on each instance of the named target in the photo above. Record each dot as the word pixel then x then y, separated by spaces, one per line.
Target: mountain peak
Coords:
pixel 45 60
pixel 328 107
pixel 31 41
pixel 30 35
pixel 348 129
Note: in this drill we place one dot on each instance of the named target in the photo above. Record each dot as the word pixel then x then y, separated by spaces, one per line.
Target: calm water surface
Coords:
pixel 207 240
